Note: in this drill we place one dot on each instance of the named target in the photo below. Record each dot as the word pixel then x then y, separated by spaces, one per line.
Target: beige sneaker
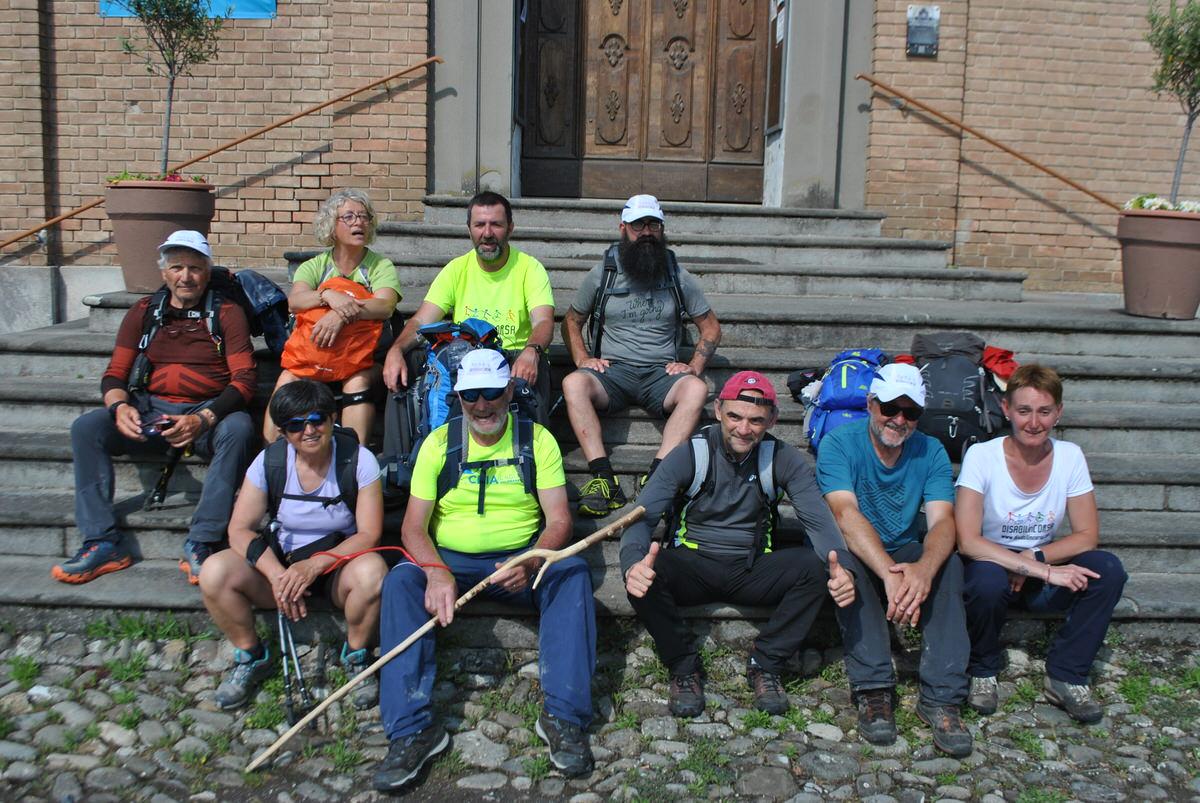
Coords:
pixel 983 696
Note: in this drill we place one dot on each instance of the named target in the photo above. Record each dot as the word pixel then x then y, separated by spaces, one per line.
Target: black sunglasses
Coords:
pixel 489 394
pixel 295 425
pixel 890 409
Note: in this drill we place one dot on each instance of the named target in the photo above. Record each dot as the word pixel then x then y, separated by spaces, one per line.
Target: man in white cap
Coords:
pixel 635 304
pixel 481 488
pixel 180 377
pixel 877 475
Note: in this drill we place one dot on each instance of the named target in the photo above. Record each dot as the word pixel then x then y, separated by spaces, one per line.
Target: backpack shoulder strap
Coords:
pixel 701 460
pixel 607 281
pixel 523 450
pixel 212 317
pixel 681 315
pixel 766 468
pixel 275 469
pixel 346 449
pixel 456 453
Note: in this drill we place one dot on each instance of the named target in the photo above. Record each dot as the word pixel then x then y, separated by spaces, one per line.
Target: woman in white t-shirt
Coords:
pixel 283 569
pixel 1013 496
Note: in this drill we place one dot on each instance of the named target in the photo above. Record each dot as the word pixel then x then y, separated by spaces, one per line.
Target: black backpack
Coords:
pixel 457 456
pixel 595 328
pixel 962 401
pixel 346 472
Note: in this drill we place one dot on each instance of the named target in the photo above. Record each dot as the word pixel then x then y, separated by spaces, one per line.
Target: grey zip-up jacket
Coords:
pixel 723 522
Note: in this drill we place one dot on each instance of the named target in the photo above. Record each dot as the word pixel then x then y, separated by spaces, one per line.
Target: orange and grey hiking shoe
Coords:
pixel 194 555
pixel 92 560
pixel 598 497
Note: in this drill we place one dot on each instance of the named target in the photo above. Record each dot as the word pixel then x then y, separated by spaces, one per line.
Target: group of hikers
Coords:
pixel 888 537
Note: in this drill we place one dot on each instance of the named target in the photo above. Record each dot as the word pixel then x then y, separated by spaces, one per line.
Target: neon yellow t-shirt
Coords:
pixel 502 298
pixel 374 272
pixel 511 516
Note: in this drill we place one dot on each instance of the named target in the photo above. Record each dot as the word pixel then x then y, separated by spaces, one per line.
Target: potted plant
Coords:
pixel 179 35
pixel 1160 238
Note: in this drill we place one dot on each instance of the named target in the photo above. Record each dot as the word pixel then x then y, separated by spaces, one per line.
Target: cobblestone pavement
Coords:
pixel 124 712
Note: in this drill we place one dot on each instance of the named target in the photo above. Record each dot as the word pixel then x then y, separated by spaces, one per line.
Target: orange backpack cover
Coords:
pixel 352 351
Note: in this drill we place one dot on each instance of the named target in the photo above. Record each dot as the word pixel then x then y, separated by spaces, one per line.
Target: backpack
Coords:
pixel 346 472
pixel 702 482
pixel 390 329
pixel 595 328
pixel 962 401
pixel 351 352
pixel 843 394
pixel 264 315
pixel 457 454
pixel 429 400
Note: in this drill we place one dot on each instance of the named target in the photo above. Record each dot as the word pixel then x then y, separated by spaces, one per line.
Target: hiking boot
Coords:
pixel 365 694
pixel 769 695
pixel 949 735
pixel 407 755
pixel 1075 700
pixel 598 497
pixel 983 696
pixel 686 695
pixel 194 554
pixel 642 479
pixel 876 715
pixel 244 678
pixel 92 560
pixel 569 749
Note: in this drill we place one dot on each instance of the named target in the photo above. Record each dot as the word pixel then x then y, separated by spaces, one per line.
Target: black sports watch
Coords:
pixel 112 408
pixel 541 350
pixel 1039 555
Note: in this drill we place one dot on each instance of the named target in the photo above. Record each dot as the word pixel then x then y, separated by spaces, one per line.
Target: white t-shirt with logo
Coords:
pixel 1011 517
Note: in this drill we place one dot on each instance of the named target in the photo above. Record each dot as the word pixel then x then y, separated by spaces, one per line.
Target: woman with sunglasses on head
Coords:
pixel 285 564
pixel 1013 493
pixel 341 299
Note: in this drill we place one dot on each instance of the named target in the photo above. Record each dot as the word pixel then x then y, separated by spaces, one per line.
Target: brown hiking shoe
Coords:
pixel 769 695
pixel 949 735
pixel 686 695
pixel 876 715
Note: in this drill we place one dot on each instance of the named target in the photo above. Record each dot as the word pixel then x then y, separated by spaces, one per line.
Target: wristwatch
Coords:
pixel 1038 555
pixel 112 408
pixel 541 350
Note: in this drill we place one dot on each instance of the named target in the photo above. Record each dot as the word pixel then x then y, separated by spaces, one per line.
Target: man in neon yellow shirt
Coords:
pixel 496 282
pixel 460 526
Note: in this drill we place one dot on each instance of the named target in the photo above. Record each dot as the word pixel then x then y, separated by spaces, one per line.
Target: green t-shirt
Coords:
pixel 502 298
pixel 511 516
pixel 374 272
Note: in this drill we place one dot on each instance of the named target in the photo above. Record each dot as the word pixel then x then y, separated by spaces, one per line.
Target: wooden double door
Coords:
pixel 667 97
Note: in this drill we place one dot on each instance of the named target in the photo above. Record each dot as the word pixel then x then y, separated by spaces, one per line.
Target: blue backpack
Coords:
pixel 843 394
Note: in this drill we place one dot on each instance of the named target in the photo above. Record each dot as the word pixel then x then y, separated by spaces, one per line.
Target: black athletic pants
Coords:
pixel 793 581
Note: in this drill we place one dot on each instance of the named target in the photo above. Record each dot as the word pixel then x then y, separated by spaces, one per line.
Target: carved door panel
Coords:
pixel 739 97
pixel 550 95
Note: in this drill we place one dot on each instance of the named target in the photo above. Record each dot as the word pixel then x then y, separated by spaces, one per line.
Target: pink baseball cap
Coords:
pixel 748 380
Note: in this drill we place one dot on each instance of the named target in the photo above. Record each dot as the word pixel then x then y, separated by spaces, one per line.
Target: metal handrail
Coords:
pixel 257 132
pixel 980 135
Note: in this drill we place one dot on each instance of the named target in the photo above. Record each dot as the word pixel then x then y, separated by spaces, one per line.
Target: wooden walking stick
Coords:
pixel 551 556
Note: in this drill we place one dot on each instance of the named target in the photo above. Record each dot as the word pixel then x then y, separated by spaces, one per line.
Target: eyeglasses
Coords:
pixel 890 409
pixel 350 218
pixel 295 425
pixel 646 224
pixel 489 394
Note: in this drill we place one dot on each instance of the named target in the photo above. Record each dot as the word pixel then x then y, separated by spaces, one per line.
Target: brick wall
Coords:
pixel 107 113
pixel 1064 83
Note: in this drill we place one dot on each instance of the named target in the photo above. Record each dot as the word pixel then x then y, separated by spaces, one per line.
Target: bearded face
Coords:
pixel 644 258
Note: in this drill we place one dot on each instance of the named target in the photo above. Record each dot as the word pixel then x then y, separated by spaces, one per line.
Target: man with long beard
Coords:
pixel 459 527
pixel 878 475
pixel 638 299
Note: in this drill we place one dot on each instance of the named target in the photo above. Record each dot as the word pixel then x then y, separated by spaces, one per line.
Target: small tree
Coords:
pixel 183 35
pixel 1175 36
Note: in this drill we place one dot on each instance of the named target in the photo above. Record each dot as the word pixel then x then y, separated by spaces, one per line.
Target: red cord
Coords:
pixel 338 560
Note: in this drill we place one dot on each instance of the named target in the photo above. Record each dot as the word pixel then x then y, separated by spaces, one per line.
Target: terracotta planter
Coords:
pixel 143 213
pixel 1160 263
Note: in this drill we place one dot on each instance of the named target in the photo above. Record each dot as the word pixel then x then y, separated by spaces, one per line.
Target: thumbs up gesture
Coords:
pixel 641 575
pixel 841 582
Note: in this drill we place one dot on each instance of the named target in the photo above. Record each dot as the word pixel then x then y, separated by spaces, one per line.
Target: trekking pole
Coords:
pixel 289 701
pixel 293 682
pixel 159 495
pixel 550 556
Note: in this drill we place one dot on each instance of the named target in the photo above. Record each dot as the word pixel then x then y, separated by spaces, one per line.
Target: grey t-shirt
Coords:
pixel 639 325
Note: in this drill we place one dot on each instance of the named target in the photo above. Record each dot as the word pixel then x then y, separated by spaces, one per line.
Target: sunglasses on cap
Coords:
pixel 488 394
pixel 890 409
pixel 294 425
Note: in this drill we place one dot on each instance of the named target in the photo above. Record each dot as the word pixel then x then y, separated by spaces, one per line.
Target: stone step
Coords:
pixel 727 219
pixel 417 272
pixel 796 249
pixel 158 584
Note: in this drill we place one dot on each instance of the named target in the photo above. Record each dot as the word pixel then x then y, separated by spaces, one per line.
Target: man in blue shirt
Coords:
pixel 876 475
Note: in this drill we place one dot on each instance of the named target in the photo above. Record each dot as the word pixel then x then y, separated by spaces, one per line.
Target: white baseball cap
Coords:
pixel 187 239
pixel 482 368
pixel 640 206
pixel 899 379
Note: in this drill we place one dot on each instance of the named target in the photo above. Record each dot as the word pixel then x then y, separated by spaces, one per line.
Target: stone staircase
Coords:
pixel 791 288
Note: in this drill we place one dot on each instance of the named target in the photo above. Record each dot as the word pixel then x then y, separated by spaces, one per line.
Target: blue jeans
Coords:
pixel 987 598
pixel 566 637
pixel 228 447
